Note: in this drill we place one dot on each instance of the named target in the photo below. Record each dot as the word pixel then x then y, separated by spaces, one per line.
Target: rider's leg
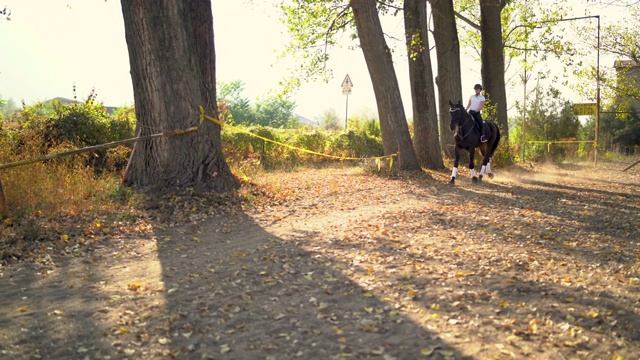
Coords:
pixel 483 137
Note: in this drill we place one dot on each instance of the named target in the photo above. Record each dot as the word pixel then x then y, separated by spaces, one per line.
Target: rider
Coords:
pixel 476 103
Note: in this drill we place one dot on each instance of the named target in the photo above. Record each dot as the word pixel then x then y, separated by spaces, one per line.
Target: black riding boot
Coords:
pixel 483 137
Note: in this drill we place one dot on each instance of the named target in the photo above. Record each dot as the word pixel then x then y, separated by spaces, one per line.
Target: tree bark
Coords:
pixel 448 80
pixel 492 56
pixel 426 141
pixel 172 59
pixel 393 121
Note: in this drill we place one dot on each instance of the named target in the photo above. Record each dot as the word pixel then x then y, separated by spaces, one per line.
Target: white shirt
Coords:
pixel 476 102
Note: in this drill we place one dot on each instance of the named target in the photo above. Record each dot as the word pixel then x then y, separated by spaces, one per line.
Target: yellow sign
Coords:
pixel 584 109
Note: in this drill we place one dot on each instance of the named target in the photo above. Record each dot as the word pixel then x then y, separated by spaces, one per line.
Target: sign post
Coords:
pixel 346 90
pixel 585 109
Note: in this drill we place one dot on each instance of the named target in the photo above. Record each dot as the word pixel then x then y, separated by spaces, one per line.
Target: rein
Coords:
pixel 458 127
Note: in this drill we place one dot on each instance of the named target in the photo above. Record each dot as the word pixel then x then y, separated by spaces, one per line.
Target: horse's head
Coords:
pixel 457 113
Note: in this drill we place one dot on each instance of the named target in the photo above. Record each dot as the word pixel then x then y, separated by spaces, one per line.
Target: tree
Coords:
pixel 275 111
pixel 445 34
pixel 5 14
pixel 393 122
pixel 314 25
pixel 550 117
pixel 503 30
pixel 331 120
pixel 426 141
pixel 172 59
pixel 237 105
pixel 493 59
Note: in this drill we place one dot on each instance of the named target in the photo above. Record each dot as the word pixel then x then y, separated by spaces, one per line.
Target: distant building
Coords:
pixel 305 121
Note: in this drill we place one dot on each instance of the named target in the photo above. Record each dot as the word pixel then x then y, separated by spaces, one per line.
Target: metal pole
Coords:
pixel 346 113
pixel 525 79
pixel 595 152
pixel 524 101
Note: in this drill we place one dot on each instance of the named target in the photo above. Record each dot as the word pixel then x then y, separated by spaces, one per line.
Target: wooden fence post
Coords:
pixel 4 210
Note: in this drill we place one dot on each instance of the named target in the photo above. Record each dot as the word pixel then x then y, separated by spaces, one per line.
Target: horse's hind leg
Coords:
pixel 472 167
pixel 489 173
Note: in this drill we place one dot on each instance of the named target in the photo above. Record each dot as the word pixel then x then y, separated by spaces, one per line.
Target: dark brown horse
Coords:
pixel 467 136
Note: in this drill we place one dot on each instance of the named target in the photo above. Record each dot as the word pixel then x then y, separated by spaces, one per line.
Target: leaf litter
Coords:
pixel 337 263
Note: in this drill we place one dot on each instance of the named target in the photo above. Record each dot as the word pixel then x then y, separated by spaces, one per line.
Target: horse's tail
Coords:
pixel 494 146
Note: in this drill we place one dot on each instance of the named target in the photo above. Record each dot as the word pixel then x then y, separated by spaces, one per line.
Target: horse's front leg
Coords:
pixel 456 162
pixel 485 162
pixel 472 166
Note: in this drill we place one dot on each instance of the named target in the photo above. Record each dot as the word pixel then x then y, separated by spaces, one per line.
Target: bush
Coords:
pixel 243 149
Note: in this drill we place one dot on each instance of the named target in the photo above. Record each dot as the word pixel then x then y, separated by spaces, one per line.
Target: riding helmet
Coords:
pixel 477 86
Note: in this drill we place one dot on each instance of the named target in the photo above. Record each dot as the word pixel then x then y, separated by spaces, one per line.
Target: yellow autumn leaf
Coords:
pixel 23 309
pixel 134 286
pixel 446 353
pixel 342 340
pixel 426 351
pixel 617 356
pixel 435 307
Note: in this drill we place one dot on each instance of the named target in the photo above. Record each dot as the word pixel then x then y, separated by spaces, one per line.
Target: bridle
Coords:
pixel 458 127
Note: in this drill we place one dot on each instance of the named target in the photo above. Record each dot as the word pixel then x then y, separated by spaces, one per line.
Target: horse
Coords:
pixel 467 136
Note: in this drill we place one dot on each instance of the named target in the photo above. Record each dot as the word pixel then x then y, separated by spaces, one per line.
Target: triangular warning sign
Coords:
pixel 347 81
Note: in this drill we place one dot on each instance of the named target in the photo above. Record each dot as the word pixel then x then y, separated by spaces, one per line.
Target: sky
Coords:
pixel 50 46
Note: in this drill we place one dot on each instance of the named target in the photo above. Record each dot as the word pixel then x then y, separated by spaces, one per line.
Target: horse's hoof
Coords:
pixel 480 178
pixel 474 180
pixel 452 181
pixel 490 175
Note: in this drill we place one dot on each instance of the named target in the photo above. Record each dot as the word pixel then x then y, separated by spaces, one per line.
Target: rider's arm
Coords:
pixel 481 106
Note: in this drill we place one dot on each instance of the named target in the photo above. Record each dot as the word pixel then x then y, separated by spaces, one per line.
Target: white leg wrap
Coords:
pixel 454 172
pixel 482 169
pixel 489 167
pixel 473 173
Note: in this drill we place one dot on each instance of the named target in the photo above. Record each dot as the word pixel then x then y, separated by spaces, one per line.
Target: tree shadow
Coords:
pixel 243 293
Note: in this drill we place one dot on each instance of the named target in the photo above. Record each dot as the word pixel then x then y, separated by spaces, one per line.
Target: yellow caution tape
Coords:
pixel 377 159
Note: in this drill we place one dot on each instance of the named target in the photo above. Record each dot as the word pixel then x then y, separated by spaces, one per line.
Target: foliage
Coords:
pixel 52 127
pixel 246 151
pixel 313 26
pixel 527 25
pixel 274 111
pixel 5 14
pixel 620 40
pixel 549 118
pixel 239 108
pixel 619 129
pixel 331 120
pixel 366 124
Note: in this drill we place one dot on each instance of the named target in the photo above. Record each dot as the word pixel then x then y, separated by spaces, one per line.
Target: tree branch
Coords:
pixel 468 21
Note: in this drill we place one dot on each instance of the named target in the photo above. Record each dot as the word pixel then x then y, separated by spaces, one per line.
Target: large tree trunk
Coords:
pixel 492 55
pixel 172 59
pixel 426 141
pixel 393 121
pixel 445 34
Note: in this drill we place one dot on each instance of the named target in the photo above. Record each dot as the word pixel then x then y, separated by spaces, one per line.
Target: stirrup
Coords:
pixel 483 139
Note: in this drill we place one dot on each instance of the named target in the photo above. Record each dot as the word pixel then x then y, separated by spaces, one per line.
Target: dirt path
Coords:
pixel 540 263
